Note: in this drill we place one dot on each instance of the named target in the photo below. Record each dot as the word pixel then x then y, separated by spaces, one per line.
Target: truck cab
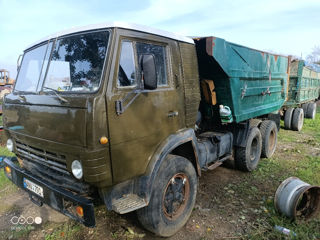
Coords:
pixel 82 117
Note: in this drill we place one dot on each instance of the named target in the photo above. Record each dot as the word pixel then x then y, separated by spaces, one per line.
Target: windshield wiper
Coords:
pixel 56 93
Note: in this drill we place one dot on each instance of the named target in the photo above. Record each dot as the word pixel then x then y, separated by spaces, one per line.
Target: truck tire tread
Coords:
pixel 152 217
pixel 311 110
pixel 297 119
pixel 269 135
pixel 243 156
pixel 288 118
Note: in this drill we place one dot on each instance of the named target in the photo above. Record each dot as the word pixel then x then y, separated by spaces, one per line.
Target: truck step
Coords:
pixel 128 203
pixel 219 162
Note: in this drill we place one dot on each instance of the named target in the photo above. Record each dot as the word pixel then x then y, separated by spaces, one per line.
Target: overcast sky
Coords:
pixel 290 27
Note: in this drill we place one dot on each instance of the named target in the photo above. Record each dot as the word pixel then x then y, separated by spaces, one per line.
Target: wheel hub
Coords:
pixel 176 195
pixel 253 149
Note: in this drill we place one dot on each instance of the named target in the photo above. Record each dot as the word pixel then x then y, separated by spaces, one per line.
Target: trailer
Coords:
pixel 303 91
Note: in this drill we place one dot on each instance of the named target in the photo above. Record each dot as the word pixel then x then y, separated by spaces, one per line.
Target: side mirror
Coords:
pixel 149 72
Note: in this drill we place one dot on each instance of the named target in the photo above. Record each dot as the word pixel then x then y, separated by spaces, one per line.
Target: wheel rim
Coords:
pixel 176 196
pixel 272 140
pixel 253 150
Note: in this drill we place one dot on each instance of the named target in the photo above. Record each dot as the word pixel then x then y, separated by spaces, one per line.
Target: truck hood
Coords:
pixel 47 117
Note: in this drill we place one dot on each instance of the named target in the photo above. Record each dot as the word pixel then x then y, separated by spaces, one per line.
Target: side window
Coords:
pixel 127 69
pixel 159 53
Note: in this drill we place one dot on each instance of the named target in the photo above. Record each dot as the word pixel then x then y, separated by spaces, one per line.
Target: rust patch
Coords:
pixel 173 206
pixel 276 57
pixel 210 45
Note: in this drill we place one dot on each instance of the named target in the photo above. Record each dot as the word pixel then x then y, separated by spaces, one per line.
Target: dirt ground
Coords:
pixel 217 213
pixel 230 205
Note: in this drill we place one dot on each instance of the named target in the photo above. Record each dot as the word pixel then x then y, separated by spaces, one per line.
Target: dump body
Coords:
pixel 304 84
pixel 251 82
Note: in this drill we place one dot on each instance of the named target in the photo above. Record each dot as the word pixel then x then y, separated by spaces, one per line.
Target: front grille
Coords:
pixel 49 166
pixel 45 158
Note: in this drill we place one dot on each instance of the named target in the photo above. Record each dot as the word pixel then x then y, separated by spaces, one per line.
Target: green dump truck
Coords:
pixel 303 90
pixel 132 115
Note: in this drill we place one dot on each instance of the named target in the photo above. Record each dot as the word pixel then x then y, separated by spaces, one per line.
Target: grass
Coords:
pixel 297 159
pixel 68 231
pixel 6 186
pixel 312 126
pixel 20 232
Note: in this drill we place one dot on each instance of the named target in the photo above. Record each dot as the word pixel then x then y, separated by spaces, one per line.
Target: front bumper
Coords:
pixel 54 196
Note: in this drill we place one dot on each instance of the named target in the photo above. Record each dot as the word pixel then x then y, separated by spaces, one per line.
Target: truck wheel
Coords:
pixel 297 119
pixel 311 110
pixel 269 136
pixel 247 158
pixel 305 108
pixel 288 118
pixel 172 199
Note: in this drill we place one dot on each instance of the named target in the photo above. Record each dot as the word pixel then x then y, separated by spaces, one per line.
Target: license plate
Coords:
pixel 33 187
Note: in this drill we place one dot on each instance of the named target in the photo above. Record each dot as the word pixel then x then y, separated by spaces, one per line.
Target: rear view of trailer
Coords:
pixel 304 87
pixel 304 84
pixel 251 83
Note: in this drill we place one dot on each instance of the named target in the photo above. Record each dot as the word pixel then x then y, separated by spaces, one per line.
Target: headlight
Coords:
pixel 10 145
pixel 76 168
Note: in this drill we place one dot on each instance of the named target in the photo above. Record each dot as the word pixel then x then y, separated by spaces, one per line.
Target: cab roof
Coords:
pixel 124 25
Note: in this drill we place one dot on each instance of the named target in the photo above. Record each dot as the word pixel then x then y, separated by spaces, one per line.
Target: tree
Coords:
pixel 314 56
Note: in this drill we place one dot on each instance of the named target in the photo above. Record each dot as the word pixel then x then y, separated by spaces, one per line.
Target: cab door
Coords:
pixel 140 119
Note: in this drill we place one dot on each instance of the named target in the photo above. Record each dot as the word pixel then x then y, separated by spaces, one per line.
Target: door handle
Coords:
pixel 173 114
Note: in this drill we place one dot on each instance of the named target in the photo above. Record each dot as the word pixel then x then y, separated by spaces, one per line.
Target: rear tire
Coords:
pixel 288 118
pixel 305 109
pixel 297 119
pixel 172 199
pixel 311 110
pixel 247 158
pixel 269 136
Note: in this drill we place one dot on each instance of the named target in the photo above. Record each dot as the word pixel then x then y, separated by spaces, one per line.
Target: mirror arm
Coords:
pixel 18 60
pixel 123 104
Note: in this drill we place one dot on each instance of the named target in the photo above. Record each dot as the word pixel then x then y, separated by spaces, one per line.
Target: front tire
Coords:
pixel 247 158
pixel 172 199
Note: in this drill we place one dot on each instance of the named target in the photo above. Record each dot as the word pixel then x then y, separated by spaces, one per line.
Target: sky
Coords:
pixel 288 27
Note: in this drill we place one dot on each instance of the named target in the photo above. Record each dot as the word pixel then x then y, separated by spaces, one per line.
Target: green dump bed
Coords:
pixel 251 82
pixel 304 84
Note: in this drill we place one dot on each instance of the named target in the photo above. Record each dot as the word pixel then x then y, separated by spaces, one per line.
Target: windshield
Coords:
pixel 31 68
pixel 75 64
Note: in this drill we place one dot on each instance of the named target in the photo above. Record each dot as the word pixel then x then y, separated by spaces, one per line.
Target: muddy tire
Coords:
pixel 269 134
pixel 297 119
pixel 247 158
pixel 172 199
pixel 288 118
pixel 311 110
